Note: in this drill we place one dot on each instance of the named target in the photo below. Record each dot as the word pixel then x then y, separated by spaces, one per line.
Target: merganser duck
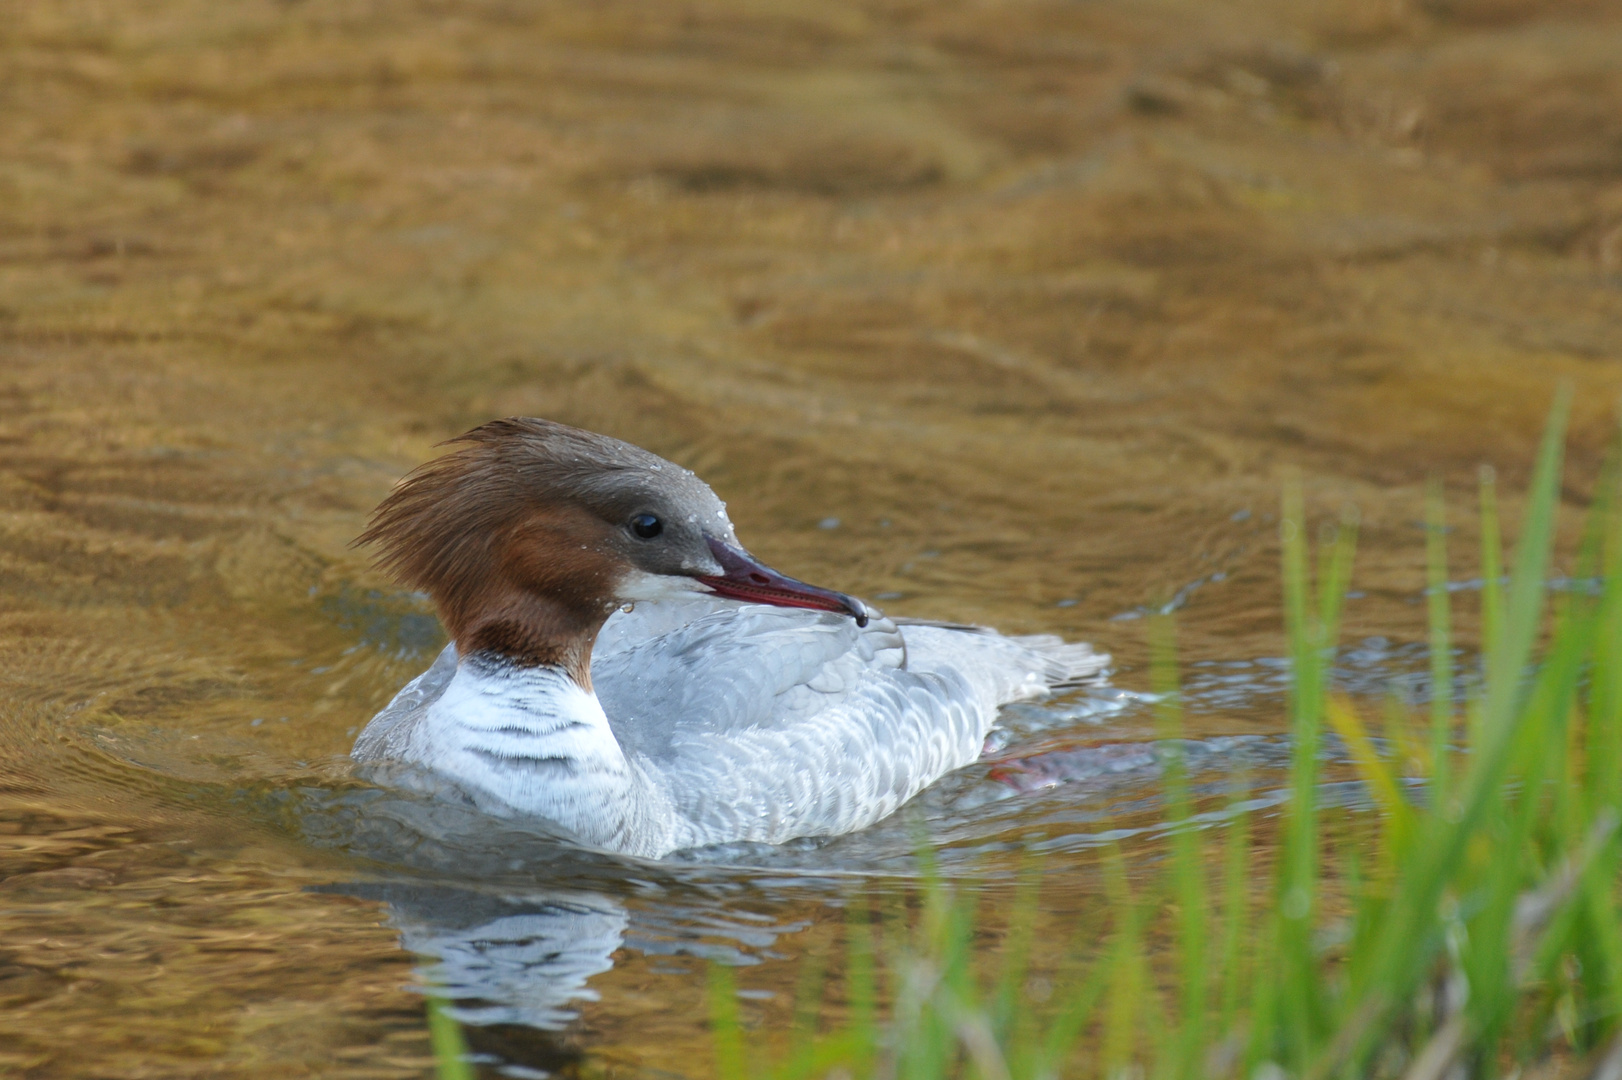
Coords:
pixel 621 667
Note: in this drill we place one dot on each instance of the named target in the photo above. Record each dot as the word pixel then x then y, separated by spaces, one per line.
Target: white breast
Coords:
pixel 530 741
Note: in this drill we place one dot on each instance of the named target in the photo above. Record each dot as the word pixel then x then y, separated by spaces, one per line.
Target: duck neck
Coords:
pixel 539 742
pixel 528 629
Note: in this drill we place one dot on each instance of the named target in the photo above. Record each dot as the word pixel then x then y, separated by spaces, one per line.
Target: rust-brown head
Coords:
pixel 529 533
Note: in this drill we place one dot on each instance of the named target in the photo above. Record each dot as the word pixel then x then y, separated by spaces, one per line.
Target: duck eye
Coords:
pixel 647 526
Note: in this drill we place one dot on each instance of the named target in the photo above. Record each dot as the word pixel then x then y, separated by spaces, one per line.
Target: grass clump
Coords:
pixel 1470 928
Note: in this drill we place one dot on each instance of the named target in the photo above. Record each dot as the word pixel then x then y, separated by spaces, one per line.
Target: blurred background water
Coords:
pixel 1010 312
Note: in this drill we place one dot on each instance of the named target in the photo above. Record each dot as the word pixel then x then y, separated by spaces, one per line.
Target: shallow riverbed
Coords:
pixel 1016 313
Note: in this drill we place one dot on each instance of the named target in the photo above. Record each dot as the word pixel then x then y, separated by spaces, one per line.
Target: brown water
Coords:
pixel 1039 300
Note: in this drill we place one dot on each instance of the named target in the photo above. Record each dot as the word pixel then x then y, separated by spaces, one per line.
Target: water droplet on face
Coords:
pixel 628 607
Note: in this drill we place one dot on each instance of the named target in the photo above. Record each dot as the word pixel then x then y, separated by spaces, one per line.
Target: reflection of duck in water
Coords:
pixel 508 961
pixel 525 957
pixel 731 704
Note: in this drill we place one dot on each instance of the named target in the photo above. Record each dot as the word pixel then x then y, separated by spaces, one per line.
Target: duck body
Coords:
pixel 687 714
pixel 714 722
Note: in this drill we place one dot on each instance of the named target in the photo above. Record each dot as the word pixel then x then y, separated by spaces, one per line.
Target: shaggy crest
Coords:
pixel 513 531
pixel 437 523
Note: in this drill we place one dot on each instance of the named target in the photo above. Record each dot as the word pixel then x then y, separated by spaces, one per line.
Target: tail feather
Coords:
pixel 1003 669
pixel 1066 664
pixel 961 627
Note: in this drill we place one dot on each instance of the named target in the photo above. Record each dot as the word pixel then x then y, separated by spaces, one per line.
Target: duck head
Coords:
pixel 528 534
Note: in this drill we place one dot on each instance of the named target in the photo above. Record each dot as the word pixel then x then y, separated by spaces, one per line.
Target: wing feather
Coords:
pixel 668 671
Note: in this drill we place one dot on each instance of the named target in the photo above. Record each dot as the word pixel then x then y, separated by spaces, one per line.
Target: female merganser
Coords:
pixel 621 667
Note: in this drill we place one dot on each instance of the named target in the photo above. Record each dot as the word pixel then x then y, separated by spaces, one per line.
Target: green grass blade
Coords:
pixel 1375 773
pixel 1603 748
pixel 1188 852
pixel 1601 938
pixel 1016 951
pixel 1600 952
pixel 1311 635
pixel 1123 1015
pixel 445 1038
pixel 1492 566
pixel 807 1009
pixel 861 993
pixel 1298 867
pixel 1235 907
pixel 726 1032
pixel 1512 655
pixel 1336 576
pixel 1265 1028
pixel 1441 640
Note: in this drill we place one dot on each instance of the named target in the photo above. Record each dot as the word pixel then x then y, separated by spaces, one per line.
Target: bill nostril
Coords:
pixel 760 579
